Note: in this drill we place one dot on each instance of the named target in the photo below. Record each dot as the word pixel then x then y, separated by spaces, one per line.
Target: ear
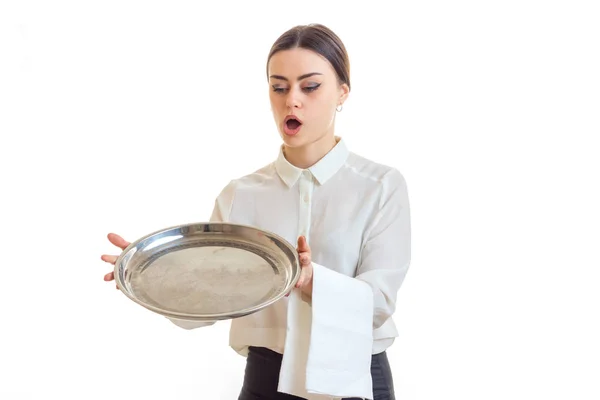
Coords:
pixel 344 93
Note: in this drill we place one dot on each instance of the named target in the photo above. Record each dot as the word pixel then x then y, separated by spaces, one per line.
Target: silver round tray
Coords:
pixel 207 271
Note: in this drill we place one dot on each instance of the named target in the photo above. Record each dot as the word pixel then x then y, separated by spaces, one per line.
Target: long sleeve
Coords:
pixel 386 250
pixel 220 213
pixel 385 256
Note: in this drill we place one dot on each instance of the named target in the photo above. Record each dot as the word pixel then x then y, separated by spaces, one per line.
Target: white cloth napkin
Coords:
pixel 329 342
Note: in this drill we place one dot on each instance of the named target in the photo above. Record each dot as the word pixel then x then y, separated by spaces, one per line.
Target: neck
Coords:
pixel 308 155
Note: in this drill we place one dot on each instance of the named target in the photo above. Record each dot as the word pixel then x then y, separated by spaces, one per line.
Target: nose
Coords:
pixel 293 99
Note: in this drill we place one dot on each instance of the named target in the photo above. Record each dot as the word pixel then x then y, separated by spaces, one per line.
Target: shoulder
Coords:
pixel 383 175
pixel 387 182
pixel 249 181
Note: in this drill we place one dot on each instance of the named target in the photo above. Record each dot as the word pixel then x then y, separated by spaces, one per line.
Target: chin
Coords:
pixel 291 141
pixel 297 140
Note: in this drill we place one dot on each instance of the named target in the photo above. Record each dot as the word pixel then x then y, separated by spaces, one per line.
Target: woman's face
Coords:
pixel 304 86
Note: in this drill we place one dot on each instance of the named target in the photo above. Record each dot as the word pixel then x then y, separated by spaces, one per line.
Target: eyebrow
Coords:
pixel 283 78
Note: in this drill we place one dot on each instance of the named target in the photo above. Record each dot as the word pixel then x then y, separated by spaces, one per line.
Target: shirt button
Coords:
pixel 306 198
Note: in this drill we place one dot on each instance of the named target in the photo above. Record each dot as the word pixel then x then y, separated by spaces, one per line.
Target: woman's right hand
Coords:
pixel 111 259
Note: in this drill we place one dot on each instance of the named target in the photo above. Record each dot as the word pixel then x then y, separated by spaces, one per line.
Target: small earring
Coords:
pixel 339 108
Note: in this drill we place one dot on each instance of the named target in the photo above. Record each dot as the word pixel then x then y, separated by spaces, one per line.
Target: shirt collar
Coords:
pixel 324 169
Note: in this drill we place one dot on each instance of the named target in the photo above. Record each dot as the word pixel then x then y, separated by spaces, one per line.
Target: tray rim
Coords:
pixel 206 317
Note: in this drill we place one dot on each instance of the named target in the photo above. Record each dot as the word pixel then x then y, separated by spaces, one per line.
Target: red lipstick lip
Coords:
pixel 291 117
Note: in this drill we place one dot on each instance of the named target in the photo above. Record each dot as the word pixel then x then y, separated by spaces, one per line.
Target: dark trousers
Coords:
pixel 262 377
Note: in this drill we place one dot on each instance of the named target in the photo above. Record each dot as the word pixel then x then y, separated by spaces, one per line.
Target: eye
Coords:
pixel 307 89
pixel 311 88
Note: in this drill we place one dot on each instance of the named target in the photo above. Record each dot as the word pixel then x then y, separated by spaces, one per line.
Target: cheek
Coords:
pixel 276 104
pixel 323 107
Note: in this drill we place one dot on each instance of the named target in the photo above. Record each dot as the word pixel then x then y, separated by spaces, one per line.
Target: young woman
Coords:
pixel 350 219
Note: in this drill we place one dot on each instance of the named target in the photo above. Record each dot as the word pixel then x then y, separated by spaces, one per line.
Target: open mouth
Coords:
pixel 292 125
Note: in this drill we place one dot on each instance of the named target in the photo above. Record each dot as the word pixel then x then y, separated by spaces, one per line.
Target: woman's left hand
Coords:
pixel 305 283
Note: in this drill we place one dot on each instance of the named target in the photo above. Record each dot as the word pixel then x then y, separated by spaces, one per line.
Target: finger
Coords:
pixel 109 277
pixel 305 273
pixel 118 240
pixel 301 279
pixel 302 244
pixel 109 259
pixel 304 259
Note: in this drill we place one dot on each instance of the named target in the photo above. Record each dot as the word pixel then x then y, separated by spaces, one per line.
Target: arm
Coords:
pixel 385 256
pixel 384 259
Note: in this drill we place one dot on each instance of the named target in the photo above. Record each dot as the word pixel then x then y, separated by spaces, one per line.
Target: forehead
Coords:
pixel 295 62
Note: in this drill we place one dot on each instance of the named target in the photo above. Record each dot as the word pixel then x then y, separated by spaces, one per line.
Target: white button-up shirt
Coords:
pixel 355 215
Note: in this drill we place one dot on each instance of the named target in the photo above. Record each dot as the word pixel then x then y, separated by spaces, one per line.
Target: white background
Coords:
pixel 130 116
